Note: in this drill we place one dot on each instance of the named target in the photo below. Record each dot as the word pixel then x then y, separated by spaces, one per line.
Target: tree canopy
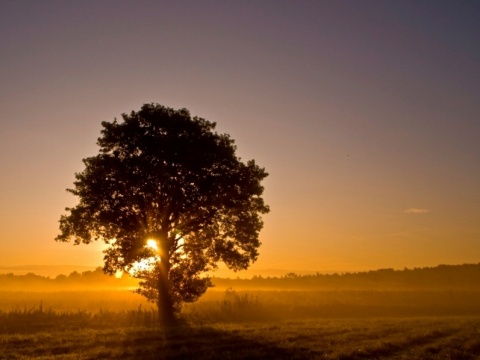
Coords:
pixel 169 196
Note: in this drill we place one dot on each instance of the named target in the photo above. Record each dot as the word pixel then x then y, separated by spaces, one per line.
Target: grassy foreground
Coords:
pixel 243 325
pixel 395 338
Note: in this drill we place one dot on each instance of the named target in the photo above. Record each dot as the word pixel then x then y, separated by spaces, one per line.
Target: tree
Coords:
pixel 169 196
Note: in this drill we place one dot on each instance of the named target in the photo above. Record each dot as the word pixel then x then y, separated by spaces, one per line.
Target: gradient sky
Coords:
pixel 366 114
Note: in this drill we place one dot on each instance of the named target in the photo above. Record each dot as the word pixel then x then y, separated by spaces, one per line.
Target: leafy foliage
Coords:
pixel 164 175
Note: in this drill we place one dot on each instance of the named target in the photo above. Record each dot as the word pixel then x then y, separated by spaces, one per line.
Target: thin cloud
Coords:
pixel 416 211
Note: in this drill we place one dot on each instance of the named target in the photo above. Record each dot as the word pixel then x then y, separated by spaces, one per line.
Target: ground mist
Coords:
pixel 238 319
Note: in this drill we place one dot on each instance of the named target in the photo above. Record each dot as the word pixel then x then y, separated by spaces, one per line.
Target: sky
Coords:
pixel 366 115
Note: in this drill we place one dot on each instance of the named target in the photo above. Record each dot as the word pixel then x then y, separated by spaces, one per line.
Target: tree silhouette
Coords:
pixel 170 197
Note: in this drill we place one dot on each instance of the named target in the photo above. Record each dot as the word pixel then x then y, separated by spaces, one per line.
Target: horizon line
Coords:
pixel 29 268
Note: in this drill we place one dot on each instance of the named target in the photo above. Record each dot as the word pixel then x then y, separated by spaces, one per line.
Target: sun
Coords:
pixel 152 244
pixel 149 263
pixel 146 264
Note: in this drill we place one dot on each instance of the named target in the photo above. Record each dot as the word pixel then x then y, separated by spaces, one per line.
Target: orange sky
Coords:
pixel 365 114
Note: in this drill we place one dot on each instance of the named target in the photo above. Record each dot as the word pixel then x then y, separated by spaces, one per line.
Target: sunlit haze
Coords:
pixel 151 243
pixel 365 114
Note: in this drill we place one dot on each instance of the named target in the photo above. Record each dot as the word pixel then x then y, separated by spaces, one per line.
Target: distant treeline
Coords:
pixel 93 280
pixel 442 277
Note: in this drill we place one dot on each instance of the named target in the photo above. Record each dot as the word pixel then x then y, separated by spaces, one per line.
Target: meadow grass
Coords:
pixel 399 338
pixel 236 325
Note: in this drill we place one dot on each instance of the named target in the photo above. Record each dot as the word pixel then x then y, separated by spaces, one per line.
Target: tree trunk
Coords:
pixel 166 311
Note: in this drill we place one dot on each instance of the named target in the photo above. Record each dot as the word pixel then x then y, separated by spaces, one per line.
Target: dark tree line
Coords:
pixel 453 277
pixel 462 277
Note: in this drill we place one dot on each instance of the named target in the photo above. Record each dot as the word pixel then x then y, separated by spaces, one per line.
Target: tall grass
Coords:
pixel 91 301
pixel 283 305
pixel 26 312
pixel 37 319
pixel 256 324
pixel 233 307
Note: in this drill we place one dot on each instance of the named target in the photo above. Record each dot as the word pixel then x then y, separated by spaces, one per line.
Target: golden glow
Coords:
pixel 152 244
pixel 147 263
pixel 143 265
pixel 180 249
pixel 181 241
pixel 369 179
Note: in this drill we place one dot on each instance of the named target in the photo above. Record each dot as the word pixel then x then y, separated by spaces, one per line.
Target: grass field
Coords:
pixel 425 338
pixel 231 326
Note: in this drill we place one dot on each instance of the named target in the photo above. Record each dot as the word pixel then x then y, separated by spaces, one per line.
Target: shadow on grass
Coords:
pixel 195 342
